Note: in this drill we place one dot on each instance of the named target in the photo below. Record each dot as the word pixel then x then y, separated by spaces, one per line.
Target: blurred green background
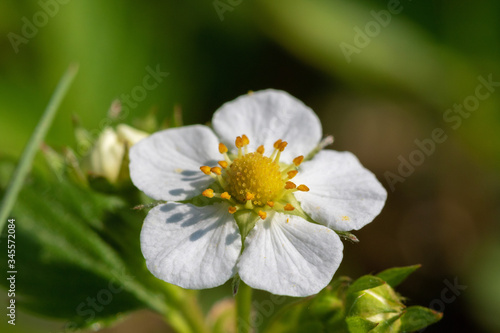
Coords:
pixel 394 88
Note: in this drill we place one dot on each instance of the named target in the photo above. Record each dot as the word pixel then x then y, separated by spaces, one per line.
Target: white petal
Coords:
pixel 286 255
pixel 192 247
pixel 343 195
pixel 129 134
pixel 266 116
pixel 166 165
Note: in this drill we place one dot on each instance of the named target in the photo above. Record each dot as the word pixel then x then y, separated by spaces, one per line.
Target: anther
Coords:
pixel 277 144
pixel 238 142
pixel 260 150
pixel 288 207
pixel 225 195
pixel 282 145
pixel 292 174
pixel 216 170
pixel 262 214
pixel 270 204
pixel 298 160
pixel 232 210
pixel 303 188
pixel 209 193
pixel 249 196
pixel 290 185
pixel 222 148
pixel 206 169
pixel 245 140
pixel 223 164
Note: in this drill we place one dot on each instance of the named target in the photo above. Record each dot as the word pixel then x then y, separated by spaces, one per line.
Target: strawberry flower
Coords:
pixel 273 198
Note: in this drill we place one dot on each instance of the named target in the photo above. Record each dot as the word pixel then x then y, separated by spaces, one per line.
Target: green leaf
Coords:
pixel 365 282
pixel 359 325
pixel 394 276
pixel 78 256
pixel 32 147
pixel 417 317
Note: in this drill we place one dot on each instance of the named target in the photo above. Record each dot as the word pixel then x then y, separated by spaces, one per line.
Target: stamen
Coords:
pixel 206 170
pixel 277 144
pixel 288 207
pixel 223 164
pixel 282 145
pixel 290 185
pixel 225 195
pixel 222 148
pixel 249 196
pixel 262 214
pixel 270 204
pixel 216 170
pixel 232 210
pixel 298 160
pixel 239 144
pixel 209 193
pixel 260 150
pixel 246 142
pixel 292 174
pixel 245 139
pixel 303 188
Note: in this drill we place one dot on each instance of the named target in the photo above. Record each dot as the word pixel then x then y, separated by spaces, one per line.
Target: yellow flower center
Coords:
pixel 252 181
pixel 256 174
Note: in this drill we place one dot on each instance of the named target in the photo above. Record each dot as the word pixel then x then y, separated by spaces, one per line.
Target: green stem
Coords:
pixel 34 143
pixel 183 312
pixel 244 308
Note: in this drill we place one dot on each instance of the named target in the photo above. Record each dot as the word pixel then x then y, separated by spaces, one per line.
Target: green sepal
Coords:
pixel 365 282
pixel 359 325
pixel 394 276
pixel 416 318
pixel 246 220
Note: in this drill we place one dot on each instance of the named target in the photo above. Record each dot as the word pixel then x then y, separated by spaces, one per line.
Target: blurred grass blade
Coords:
pixel 31 148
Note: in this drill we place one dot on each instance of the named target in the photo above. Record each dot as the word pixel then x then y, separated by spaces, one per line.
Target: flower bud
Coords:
pixel 109 151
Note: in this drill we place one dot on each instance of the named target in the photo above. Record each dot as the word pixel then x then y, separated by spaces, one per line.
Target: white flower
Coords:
pixel 290 246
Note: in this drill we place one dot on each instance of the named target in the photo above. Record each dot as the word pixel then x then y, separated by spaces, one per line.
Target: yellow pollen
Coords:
pixel 303 188
pixel 238 142
pixel 262 214
pixel 292 174
pixel 209 193
pixel 225 195
pixel 249 196
pixel 290 185
pixel 222 148
pixel 288 207
pixel 216 170
pixel 282 145
pixel 245 139
pixel 255 174
pixel 206 169
pixel 270 204
pixel 297 160
pixel 232 210
pixel 223 164
pixel 260 150
pixel 277 144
